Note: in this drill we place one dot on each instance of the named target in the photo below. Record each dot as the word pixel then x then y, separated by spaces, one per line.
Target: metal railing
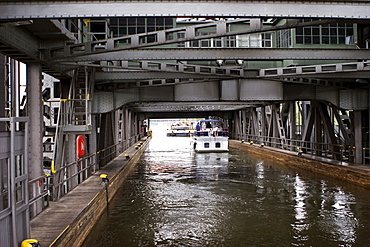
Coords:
pixel 71 177
pixel 320 149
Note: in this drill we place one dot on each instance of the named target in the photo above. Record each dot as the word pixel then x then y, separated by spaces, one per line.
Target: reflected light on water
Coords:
pixel 300 225
pixel 337 216
pixel 176 197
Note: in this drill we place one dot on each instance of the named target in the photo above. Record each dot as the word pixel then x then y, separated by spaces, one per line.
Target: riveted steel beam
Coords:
pixel 226 54
pixel 316 70
pixel 172 68
pixel 146 75
pixel 19 44
pixel 90 9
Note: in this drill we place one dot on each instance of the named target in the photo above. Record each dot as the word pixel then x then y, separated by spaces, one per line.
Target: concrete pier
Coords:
pixel 68 221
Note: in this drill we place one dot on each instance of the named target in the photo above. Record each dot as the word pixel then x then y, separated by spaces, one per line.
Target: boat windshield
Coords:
pixel 180 127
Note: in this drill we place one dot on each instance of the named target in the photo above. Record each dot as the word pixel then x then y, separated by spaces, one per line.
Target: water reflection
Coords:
pixel 176 197
pixel 300 225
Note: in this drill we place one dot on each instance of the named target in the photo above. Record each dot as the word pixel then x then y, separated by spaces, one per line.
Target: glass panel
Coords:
pixel 299 31
pixel 122 21
pixel 140 21
pixel 169 22
pixel 140 29
pixel 325 39
pixel 131 21
pixel 349 31
pixel 268 43
pixel 122 31
pixel 131 30
pixel 325 31
pixel 160 22
pixel 307 40
pixel 307 31
pixel 299 39
pixel 316 31
pixel 113 21
pixel 333 31
pixel 316 39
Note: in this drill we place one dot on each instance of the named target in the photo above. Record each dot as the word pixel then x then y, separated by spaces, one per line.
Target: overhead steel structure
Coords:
pixel 88 9
pixel 242 63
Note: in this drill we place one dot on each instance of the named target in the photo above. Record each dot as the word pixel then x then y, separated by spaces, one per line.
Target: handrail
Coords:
pixel 91 161
pixel 320 149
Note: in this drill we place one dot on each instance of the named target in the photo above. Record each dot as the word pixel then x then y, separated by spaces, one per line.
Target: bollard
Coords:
pixel 127 156
pixel 30 243
pixel 104 179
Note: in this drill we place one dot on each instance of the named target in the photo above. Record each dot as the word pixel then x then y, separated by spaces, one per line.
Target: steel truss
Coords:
pixel 172 36
pixel 207 54
pixel 313 127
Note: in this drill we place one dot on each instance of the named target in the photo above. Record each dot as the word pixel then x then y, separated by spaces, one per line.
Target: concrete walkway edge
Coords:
pixel 68 221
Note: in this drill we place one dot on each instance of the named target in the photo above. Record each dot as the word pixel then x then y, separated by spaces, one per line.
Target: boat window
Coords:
pixel 206 145
pixel 218 144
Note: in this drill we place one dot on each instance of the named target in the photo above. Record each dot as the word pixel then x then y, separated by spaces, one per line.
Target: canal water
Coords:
pixel 175 197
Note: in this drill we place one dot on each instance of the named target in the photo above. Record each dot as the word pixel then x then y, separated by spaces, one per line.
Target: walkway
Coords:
pixel 52 222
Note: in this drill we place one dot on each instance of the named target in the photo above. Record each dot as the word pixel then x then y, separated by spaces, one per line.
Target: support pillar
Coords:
pixel 358 136
pixel 2 89
pixel 35 109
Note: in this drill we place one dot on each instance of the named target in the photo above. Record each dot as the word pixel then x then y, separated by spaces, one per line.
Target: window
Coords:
pixel 284 38
pixel 324 34
pixel 206 145
pixel 133 25
pixel 218 145
pixel 266 40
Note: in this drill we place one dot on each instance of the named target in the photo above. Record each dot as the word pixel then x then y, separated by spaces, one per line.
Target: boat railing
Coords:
pixel 210 133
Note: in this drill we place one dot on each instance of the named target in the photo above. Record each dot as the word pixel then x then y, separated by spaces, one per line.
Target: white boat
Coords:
pixel 180 130
pixel 210 137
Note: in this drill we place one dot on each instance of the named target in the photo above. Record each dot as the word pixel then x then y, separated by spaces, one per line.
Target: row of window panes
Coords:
pixel 128 26
pixel 327 34
pixel 230 41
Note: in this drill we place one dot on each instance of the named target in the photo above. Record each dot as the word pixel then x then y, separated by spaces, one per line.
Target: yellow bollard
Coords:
pixel 30 243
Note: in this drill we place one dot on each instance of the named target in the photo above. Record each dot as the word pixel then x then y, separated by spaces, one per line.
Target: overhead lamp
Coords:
pixel 220 62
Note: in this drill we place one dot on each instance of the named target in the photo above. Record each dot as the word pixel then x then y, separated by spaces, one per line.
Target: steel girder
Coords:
pixel 298 74
pixel 90 9
pixel 18 44
pixel 225 54
pixel 117 77
pixel 321 70
pixel 215 29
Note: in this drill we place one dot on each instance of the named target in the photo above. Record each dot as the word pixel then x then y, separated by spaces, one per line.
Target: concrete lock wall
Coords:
pixel 75 234
pixel 350 174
